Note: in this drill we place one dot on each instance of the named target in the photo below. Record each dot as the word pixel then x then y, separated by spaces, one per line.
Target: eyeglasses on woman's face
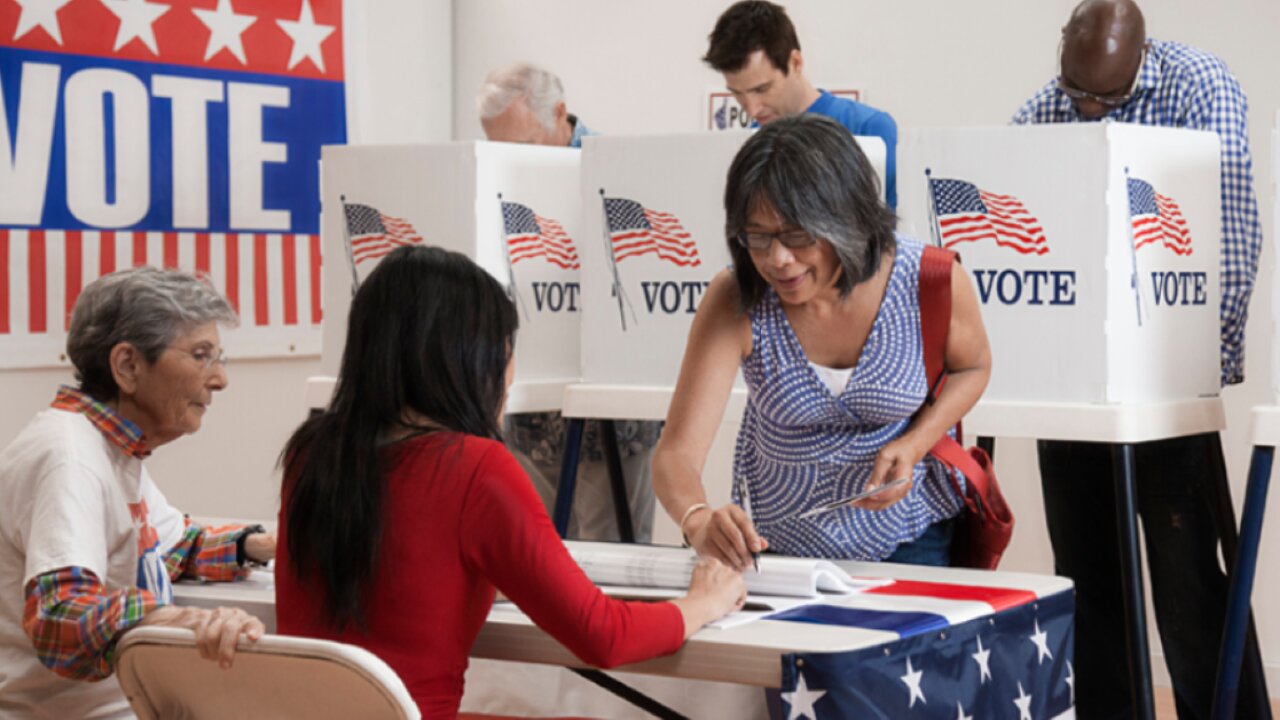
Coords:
pixel 206 357
pixel 790 239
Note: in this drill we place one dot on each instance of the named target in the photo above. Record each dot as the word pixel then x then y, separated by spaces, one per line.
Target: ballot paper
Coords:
pixel 641 566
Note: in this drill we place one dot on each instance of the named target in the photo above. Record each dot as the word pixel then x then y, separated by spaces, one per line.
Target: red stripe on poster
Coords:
pixel 37 305
pixel 170 250
pixel 139 249
pixel 998 598
pixel 233 270
pixel 75 272
pixel 106 253
pixel 316 307
pixel 4 282
pixel 202 254
pixel 290 253
pixel 261 311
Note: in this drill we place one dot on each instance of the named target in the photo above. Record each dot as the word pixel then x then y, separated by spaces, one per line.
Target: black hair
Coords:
pixel 429 335
pixel 746 27
pixel 810 170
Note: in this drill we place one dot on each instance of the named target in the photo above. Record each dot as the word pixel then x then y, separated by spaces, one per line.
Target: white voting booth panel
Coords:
pixel 653 223
pixel 1041 217
pixel 450 195
pixel 1275 295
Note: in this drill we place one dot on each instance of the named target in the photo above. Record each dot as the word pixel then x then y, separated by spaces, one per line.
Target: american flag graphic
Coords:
pixel 373 234
pixel 962 652
pixel 1157 217
pixel 967 213
pixel 637 230
pixel 529 235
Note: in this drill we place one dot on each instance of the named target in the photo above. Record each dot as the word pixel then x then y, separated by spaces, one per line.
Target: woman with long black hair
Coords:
pixel 402 510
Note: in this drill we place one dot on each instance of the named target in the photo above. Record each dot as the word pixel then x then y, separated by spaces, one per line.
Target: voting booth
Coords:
pixel 1093 249
pixel 653 223
pixel 514 209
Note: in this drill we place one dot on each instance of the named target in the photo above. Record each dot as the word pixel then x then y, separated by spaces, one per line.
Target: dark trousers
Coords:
pixel 1177 496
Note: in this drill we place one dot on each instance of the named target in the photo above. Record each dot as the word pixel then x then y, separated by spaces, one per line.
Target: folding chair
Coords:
pixel 163 676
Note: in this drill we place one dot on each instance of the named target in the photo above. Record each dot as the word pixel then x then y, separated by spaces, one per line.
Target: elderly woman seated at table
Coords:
pixel 88 544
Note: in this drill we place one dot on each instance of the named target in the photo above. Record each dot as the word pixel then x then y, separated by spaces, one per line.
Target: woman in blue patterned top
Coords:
pixel 820 311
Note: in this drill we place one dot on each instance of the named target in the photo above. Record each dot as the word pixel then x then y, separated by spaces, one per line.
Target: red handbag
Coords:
pixel 986 523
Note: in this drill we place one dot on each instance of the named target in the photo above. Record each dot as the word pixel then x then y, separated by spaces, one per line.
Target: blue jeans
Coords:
pixel 931 548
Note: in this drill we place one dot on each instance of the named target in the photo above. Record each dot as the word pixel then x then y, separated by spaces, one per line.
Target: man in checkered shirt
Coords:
pixel 1111 72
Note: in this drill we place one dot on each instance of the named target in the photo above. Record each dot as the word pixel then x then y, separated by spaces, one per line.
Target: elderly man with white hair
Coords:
pixel 522 103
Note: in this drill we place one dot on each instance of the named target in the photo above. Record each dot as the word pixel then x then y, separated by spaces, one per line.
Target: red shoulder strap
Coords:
pixel 935 313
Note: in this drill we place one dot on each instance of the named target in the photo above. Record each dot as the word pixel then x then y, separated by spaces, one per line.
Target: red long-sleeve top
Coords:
pixel 462 518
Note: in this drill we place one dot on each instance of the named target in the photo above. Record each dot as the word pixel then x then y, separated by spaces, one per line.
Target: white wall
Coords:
pixel 634 68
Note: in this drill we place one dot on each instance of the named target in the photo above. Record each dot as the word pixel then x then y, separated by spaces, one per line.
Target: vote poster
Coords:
pixel 179 134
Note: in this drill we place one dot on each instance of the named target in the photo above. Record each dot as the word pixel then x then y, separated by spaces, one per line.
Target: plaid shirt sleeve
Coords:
pixel 1043 107
pixel 206 553
pixel 1220 105
pixel 73 622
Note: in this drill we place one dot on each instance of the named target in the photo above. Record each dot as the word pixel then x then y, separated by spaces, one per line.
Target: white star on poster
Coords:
pixel 225 27
pixel 1023 701
pixel 802 700
pixel 912 679
pixel 40 14
pixel 307 36
pixel 136 17
pixel 1041 639
pixel 983 658
pixel 1071 681
pixel 960 712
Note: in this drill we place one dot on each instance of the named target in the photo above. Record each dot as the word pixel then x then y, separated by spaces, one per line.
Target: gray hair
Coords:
pixel 540 89
pixel 145 307
pixel 811 171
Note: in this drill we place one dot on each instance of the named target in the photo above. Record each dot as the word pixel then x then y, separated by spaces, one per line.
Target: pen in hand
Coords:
pixel 745 492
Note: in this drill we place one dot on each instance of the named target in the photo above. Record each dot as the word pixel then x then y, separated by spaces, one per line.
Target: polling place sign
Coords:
pixel 1093 250
pixel 184 134
pixel 514 209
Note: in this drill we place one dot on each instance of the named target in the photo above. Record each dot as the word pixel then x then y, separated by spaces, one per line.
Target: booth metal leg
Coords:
pixel 617 481
pixel 568 476
pixel 628 693
pixel 1238 612
pixel 1135 606
pixel 1252 677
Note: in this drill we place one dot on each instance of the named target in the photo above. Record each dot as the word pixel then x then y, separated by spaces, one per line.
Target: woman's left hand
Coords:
pixel 896 459
pixel 260 547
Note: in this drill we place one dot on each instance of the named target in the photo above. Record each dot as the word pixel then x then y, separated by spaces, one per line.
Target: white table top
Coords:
pixel 1128 423
pixel 746 654
pixel 1116 423
pixel 1266 425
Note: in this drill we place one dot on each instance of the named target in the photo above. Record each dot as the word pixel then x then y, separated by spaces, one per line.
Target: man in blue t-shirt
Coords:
pixel 754 46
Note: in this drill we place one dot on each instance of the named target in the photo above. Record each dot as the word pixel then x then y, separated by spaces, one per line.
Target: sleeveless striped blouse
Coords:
pixel 801 446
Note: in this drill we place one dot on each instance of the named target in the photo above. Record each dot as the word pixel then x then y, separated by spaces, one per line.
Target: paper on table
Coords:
pixel 757 607
pixel 659 567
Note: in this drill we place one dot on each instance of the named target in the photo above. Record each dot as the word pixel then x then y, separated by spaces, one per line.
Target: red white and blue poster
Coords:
pixel 184 134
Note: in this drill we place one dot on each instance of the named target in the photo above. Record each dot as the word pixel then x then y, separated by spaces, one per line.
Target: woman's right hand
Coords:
pixel 725 534
pixel 216 630
pixel 715 590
